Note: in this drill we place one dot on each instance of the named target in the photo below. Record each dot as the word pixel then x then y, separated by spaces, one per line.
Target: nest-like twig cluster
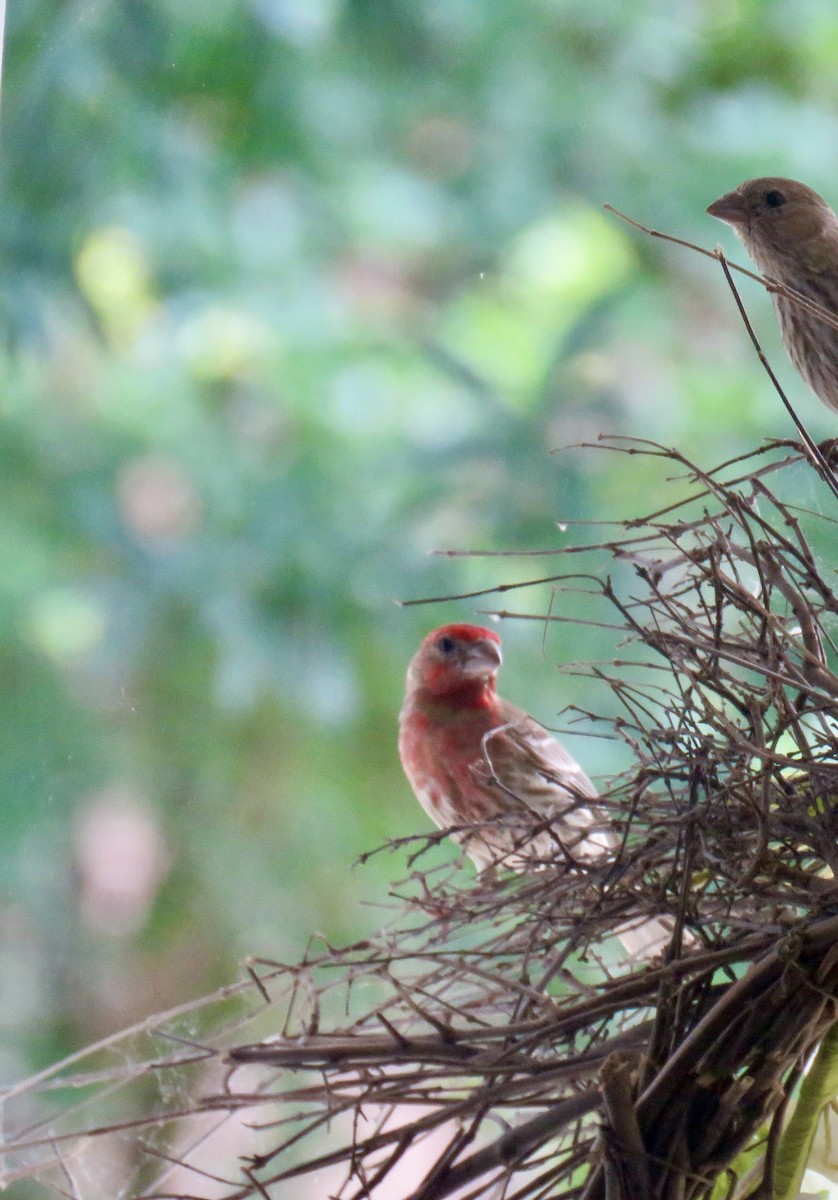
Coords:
pixel 496 1040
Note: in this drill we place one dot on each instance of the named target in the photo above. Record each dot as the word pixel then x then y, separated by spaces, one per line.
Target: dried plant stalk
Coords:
pixel 493 1041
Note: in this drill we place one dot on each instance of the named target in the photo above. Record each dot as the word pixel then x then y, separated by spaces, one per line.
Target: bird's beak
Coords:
pixel 482 658
pixel 730 209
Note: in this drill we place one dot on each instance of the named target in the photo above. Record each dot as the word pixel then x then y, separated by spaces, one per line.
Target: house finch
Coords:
pixel 792 236
pixel 509 793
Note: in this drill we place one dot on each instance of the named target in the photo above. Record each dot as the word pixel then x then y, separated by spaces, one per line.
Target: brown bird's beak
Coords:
pixel 730 208
pixel 482 658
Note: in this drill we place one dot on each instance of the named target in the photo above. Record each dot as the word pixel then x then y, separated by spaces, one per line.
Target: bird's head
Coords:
pixel 776 219
pixel 455 659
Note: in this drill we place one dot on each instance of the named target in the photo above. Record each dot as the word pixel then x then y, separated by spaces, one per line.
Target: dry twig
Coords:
pixel 492 1040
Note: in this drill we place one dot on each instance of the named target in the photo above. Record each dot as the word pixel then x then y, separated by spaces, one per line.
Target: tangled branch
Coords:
pixel 494 1040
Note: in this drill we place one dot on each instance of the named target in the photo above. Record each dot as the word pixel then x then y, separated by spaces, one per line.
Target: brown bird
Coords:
pixel 791 234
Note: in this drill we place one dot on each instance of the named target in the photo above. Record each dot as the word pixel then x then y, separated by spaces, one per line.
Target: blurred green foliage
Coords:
pixel 293 291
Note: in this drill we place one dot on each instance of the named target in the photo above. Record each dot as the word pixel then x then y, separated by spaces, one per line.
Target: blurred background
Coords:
pixel 294 291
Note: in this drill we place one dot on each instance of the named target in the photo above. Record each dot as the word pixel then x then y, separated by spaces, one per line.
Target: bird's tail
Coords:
pixel 647 938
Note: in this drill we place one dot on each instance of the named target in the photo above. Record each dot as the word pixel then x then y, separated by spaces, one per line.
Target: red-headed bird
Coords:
pixel 509 792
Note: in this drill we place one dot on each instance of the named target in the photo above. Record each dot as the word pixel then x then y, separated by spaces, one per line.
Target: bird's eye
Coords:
pixel 446 645
pixel 774 199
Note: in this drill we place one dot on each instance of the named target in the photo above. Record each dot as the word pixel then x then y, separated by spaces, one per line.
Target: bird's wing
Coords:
pixel 533 777
pixel 521 756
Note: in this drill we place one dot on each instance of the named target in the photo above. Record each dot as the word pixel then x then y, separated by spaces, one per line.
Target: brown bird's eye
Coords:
pixel 774 199
pixel 446 645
